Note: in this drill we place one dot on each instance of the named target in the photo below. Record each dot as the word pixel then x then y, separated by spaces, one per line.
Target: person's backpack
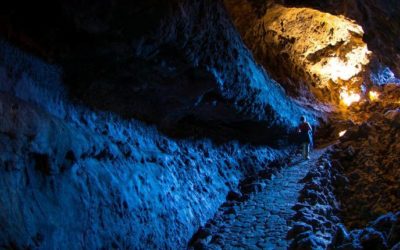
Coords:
pixel 305 134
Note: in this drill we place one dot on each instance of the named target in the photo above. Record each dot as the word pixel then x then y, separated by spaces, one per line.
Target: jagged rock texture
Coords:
pixel 181 65
pixel 77 171
pixel 305 48
pixel 72 177
pixel 379 18
pixel 369 156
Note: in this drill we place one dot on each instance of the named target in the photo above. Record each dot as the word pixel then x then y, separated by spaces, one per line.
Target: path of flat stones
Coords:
pixel 262 221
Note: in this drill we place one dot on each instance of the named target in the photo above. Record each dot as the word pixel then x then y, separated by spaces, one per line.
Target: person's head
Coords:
pixel 302 118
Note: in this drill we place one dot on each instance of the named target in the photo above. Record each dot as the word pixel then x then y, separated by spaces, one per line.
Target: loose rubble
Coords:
pixel 370 196
pixel 260 216
pixel 369 158
pixel 352 197
pixel 316 221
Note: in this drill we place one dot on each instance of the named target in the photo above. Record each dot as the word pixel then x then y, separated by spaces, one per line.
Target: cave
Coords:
pixel 204 124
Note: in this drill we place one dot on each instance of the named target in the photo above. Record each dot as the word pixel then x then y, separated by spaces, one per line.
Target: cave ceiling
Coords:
pixel 328 48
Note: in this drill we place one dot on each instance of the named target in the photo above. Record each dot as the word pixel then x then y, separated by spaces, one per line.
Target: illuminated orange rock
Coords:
pixel 309 46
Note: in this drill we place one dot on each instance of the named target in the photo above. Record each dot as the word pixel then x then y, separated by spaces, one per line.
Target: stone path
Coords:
pixel 262 221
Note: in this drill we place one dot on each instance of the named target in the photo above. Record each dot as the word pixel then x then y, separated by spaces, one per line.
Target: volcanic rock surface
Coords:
pixel 379 18
pixel 351 198
pixel 370 160
pixel 73 177
pixel 77 171
pixel 127 124
pixel 315 222
pixel 316 50
pixel 179 64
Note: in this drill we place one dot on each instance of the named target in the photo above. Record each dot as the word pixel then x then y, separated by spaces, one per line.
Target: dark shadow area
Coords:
pixel 114 60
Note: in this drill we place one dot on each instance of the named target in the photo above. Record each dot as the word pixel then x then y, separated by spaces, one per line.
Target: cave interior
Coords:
pixel 175 124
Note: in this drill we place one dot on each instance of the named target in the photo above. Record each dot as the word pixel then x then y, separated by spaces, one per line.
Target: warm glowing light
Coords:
pixel 336 68
pixel 349 97
pixel 342 133
pixel 373 96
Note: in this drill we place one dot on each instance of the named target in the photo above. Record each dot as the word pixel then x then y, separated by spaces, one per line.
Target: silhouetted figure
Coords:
pixel 305 132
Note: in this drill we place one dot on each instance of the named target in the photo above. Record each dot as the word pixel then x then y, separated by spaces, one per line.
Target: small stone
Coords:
pixel 384 223
pixel 234 196
pixel 252 188
pixel 341 236
pixel 396 247
pixel 394 235
pixel 298 228
pixel 372 239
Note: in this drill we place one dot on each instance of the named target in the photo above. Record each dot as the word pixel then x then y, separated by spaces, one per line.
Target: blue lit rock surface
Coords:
pixel 77 171
pixel 77 178
pixel 82 166
pixel 351 199
pixel 315 222
pixel 181 65
pixel 263 219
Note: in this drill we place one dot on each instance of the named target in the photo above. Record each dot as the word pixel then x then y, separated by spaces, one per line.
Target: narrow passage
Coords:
pixel 262 221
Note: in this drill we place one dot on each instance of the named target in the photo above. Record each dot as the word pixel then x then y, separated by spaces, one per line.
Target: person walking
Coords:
pixel 305 132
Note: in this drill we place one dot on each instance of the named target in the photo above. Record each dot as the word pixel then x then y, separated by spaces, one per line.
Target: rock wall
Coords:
pixel 179 64
pixel 369 158
pixel 77 171
pixel 73 177
pixel 380 21
pixel 305 48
